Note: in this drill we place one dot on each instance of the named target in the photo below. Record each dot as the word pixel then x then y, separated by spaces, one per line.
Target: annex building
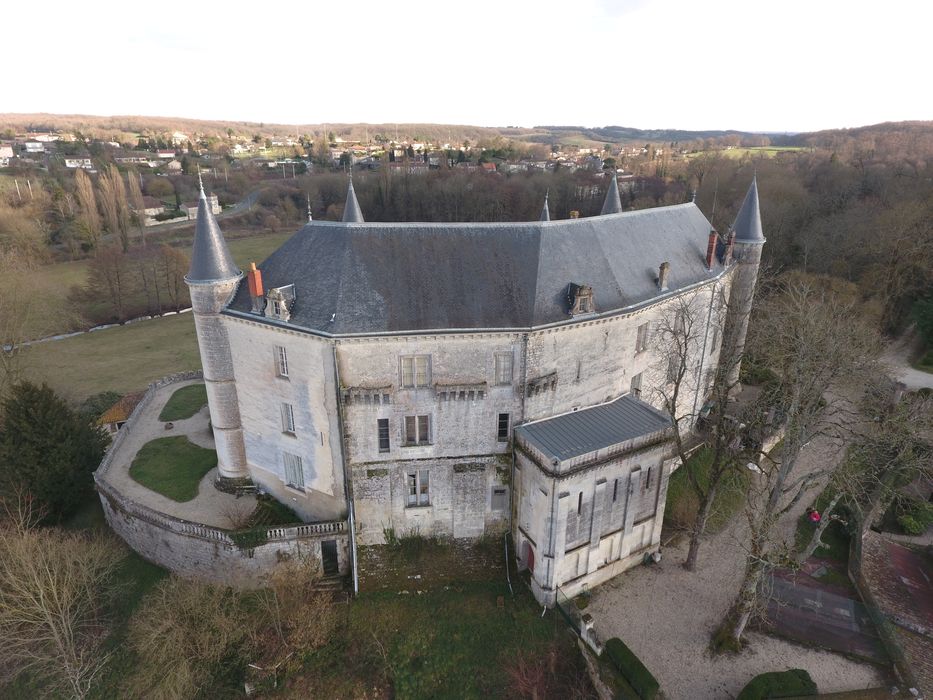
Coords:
pixel 467 379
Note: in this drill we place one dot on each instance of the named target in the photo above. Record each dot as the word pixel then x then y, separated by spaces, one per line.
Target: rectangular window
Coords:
pixel 415 371
pixel 419 488
pixel 503 368
pixel 636 385
pixel 641 342
pixel 383 427
pixel 580 503
pixel 294 474
pixel 647 481
pixel 417 430
pixel 288 418
pixel 281 361
pixel 615 490
pixel 500 498
pixel 503 434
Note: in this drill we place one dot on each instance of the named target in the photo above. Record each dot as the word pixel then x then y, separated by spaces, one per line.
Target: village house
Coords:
pixel 190 209
pixel 463 380
pixel 79 162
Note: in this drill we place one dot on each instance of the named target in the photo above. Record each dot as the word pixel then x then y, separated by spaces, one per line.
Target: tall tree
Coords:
pixel 823 351
pixel 137 203
pixel 90 217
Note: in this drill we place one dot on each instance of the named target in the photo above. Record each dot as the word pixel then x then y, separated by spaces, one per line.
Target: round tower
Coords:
pixel 212 281
pixel 747 240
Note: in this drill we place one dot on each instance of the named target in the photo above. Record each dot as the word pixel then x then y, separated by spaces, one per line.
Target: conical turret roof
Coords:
pixel 545 214
pixel 613 203
pixel 210 257
pixel 747 224
pixel 351 210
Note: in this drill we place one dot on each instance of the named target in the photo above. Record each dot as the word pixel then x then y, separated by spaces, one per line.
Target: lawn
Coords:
pixel 184 403
pixel 173 467
pixel 122 359
pixel 682 501
pixel 454 643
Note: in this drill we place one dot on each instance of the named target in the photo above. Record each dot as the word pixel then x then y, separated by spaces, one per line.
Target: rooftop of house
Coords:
pixel 592 429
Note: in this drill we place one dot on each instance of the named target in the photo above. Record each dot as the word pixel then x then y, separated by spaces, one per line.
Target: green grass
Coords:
pixel 454 643
pixel 173 467
pixel 184 403
pixel 835 537
pixel 120 359
pixel 925 362
pixel 682 500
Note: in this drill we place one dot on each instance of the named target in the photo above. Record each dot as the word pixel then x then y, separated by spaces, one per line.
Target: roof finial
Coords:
pixel 545 213
pixel 694 197
pixel 309 208
pixel 201 182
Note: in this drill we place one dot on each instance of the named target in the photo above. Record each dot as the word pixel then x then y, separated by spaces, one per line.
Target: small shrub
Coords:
pixel 634 671
pixel 779 684
pixel 910 525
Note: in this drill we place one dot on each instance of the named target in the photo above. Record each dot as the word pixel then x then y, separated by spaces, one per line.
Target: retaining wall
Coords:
pixel 200 551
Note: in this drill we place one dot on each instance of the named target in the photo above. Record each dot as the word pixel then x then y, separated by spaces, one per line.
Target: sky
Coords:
pixel 794 65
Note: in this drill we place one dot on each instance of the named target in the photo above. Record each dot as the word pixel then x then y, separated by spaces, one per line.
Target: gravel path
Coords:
pixel 667 615
pixel 210 506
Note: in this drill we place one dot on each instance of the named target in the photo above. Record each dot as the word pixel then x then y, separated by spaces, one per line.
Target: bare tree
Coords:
pixel 55 587
pixel 695 393
pixel 116 209
pixel 90 217
pixel 173 266
pixel 137 203
pixel 823 352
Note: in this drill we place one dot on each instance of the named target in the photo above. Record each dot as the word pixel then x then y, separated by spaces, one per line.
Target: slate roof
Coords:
pixel 747 224
pixel 395 277
pixel 210 257
pixel 613 202
pixel 590 429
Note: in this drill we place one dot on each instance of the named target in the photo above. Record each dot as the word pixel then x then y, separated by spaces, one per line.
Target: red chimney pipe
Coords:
pixel 254 277
pixel 730 249
pixel 711 248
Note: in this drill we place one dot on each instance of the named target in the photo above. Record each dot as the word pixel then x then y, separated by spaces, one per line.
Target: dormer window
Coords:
pixel 280 302
pixel 580 299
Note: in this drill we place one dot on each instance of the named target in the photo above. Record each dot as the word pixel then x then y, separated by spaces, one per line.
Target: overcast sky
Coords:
pixel 794 65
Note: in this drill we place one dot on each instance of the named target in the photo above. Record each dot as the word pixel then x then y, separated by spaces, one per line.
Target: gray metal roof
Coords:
pixel 590 429
pixel 747 224
pixel 392 277
pixel 545 213
pixel 613 202
pixel 210 257
pixel 351 210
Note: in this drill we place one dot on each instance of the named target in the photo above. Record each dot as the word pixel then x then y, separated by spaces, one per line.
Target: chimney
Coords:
pixel 254 280
pixel 663 273
pixel 730 249
pixel 711 248
pixel 574 214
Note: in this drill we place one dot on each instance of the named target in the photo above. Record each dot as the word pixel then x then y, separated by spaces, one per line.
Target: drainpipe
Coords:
pixel 347 482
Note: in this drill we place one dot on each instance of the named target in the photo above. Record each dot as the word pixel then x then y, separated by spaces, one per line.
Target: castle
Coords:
pixel 472 379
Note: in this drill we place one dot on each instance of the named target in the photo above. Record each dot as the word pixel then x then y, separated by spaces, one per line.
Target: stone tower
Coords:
pixel 212 281
pixel 747 240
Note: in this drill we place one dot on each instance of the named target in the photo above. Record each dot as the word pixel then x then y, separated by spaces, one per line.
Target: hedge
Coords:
pixel 634 671
pixel 779 684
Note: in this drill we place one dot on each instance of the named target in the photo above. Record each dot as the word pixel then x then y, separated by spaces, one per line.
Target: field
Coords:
pixel 121 359
pixel 766 151
pixel 53 283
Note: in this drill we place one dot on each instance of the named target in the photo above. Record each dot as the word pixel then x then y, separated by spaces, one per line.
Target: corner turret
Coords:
pixel 351 210
pixel 212 281
pixel 613 203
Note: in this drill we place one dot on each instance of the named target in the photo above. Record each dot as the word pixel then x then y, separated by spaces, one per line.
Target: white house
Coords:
pixel 465 379
pixel 79 162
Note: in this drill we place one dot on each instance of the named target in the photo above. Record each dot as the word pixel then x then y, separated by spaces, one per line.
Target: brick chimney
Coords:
pixel 711 248
pixel 730 249
pixel 256 294
pixel 663 273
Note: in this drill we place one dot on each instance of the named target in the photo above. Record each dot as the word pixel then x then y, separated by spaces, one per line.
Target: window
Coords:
pixel 673 367
pixel 383 429
pixel 500 498
pixel 281 361
pixel 276 307
pixel 294 474
pixel 615 490
pixel 419 488
pixel 647 481
pixel 636 385
pixel 415 371
pixel 503 434
pixel 503 368
pixel 580 503
pixel 288 419
pixel 417 430
pixel 641 342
